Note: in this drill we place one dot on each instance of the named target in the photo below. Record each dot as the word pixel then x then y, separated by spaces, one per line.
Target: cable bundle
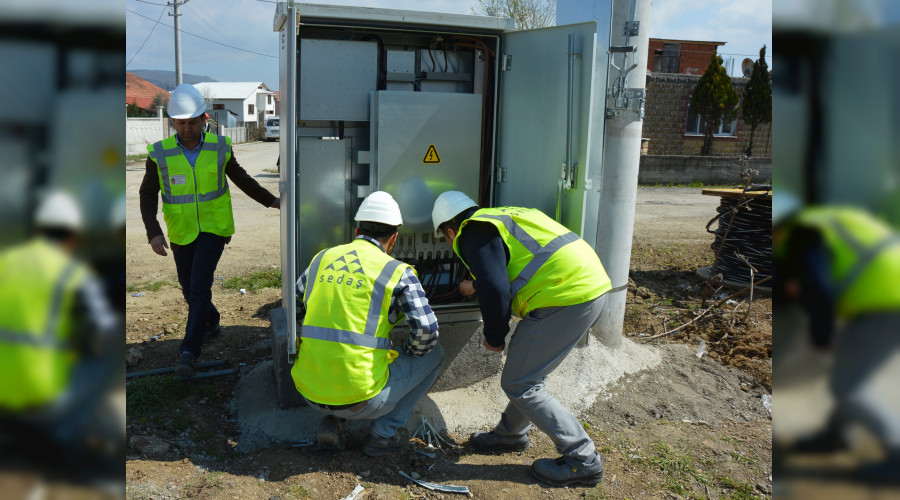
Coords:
pixel 750 235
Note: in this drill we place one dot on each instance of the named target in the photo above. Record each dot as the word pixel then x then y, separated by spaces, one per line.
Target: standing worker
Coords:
pixel 527 264
pixel 59 346
pixel 189 168
pixel 353 295
pixel 843 265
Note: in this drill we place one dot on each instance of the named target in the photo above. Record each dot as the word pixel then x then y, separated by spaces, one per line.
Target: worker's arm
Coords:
pixel 818 291
pixel 301 289
pixel 149 201
pixel 423 327
pixel 248 184
pixel 484 252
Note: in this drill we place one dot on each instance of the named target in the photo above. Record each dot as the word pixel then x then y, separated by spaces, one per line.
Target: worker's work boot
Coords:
pixel 331 434
pixel 378 446
pixel 563 471
pixel 490 441
pixel 186 367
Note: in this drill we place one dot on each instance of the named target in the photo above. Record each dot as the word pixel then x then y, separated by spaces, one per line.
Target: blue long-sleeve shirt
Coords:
pixel 486 255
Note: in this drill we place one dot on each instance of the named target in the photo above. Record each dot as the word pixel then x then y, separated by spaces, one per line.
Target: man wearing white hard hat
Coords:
pixel 527 264
pixel 346 368
pixel 191 170
pixel 59 342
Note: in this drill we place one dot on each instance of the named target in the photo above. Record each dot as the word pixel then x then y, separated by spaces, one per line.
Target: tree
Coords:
pixel 132 110
pixel 757 106
pixel 714 99
pixel 527 14
pixel 160 101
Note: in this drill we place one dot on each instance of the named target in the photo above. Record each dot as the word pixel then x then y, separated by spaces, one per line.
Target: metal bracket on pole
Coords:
pixel 628 101
pixel 632 28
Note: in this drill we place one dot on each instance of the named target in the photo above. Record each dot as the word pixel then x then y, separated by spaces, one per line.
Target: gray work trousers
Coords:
pixel 541 341
pixel 865 375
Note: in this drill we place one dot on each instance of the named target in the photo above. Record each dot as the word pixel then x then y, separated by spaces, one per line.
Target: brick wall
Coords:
pixel 665 114
pixel 693 58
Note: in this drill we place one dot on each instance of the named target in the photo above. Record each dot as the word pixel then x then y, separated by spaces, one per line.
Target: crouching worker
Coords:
pixel 352 296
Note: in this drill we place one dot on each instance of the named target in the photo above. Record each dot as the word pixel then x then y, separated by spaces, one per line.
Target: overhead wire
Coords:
pixel 204 38
pixel 148 36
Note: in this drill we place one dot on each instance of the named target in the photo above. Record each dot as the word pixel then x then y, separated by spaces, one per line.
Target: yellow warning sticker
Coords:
pixel 431 156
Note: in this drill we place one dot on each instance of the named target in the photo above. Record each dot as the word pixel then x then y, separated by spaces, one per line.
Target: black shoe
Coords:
pixel 378 446
pixel 490 441
pixel 331 434
pixel 561 471
pixel 186 367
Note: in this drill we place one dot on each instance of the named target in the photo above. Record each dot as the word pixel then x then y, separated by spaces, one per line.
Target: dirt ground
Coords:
pixel 694 427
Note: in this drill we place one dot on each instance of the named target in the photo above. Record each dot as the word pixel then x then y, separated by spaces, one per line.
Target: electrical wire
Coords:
pixel 148 37
pixel 204 38
pixel 750 236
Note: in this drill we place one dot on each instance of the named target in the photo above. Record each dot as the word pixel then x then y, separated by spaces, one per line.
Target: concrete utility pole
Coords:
pixel 175 4
pixel 629 39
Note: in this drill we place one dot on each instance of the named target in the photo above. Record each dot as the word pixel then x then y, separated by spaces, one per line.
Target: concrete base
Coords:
pixel 465 361
pixel 576 383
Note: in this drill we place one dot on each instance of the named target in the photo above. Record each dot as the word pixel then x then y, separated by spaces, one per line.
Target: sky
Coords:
pixel 232 40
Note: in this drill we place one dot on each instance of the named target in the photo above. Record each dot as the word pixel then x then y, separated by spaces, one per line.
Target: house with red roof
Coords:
pixel 141 92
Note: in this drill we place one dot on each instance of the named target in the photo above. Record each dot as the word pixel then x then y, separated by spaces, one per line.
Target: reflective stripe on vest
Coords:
pixel 541 253
pixel 864 257
pixel 195 197
pixel 49 337
pixel 368 338
pixel 549 265
pixel 160 154
pixel 36 353
pixel 345 345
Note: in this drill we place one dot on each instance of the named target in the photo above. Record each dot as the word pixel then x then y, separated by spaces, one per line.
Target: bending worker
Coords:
pixel 60 347
pixel 527 264
pixel 353 295
pixel 843 265
pixel 189 168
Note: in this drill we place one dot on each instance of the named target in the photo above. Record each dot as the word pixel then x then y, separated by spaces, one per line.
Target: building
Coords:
pixel 675 67
pixel 142 93
pixel 686 57
pixel 250 102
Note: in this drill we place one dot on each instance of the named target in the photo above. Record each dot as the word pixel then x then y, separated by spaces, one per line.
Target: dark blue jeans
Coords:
pixel 196 264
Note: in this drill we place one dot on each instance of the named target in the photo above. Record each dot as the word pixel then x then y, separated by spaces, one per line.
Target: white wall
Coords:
pixel 140 132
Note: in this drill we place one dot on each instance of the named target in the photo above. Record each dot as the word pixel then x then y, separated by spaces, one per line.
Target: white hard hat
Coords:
pixel 379 207
pixel 185 102
pixel 58 210
pixel 784 204
pixel 447 206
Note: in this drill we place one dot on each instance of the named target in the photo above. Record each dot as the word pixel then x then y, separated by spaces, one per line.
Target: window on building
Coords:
pixel 671 58
pixel 249 109
pixel 269 99
pixel 218 106
pixel 696 123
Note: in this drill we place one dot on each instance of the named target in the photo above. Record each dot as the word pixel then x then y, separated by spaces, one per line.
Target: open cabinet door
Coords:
pixel 546 121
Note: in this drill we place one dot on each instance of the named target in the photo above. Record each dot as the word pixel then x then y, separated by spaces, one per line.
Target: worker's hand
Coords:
pixel 466 288
pixel 489 347
pixel 276 204
pixel 159 245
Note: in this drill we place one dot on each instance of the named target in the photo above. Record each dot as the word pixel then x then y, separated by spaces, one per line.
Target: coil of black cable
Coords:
pixel 750 235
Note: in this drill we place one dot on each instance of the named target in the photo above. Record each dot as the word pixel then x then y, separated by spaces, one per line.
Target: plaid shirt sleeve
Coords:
pixel 301 288
pixel 423 326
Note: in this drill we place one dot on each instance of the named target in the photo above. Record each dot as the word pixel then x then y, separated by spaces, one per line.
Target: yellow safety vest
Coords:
pixel 865 257
pixel 38 283
pixel 548 264
pixel 194 199
pixel 345 344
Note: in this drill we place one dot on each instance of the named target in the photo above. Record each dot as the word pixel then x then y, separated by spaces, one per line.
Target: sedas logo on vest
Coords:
pixel 347 265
